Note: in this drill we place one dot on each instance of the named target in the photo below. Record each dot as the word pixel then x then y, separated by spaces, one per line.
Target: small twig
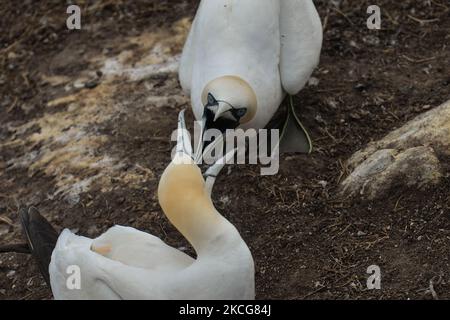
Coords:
pixel 7 221
pixel 325 21
pixel 422 22
pixel 376 241
pixel 25 78
pixel 344 15
pixel 419 60
pixel 313 292
pixel 390 18
pixel 342 232
pixel 397 204
pixel 441 5
pixel 330 135
pixel 431 287
pixel 11 108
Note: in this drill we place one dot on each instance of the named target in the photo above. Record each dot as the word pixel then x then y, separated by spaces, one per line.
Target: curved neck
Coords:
pixel 184 198
pixel 199 222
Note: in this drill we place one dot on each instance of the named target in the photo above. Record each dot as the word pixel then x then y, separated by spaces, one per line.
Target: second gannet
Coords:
pixel 243 56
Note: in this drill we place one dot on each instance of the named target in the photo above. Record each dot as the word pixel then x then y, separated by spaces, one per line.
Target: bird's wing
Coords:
pixel 100 277
pixel 301 43
pixel 143 250
pixel 187 59
pixel 120 275
pixel 76 272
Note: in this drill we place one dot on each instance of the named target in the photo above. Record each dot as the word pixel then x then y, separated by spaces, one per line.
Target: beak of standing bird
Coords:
pixel 185 155
pixel 228 102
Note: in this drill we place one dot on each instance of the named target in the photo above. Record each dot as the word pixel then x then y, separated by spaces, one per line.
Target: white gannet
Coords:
pixel 125 263
pixel 241 57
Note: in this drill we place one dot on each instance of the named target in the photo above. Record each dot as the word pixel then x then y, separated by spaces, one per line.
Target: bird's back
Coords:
pixel 240 38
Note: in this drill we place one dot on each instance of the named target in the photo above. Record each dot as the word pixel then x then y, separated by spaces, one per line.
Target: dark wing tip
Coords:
pixel 41 238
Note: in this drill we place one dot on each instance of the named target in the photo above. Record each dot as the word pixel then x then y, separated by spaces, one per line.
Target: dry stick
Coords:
pixel 325 21
pixel 419 60
pixel 431 288
pixel 397 204
pixel 314 292
pixel 11 108
pixel 330 135
pixel 390 18
pixel 422 22
pixel 7 221
pixel 393 114
pixel 344 15
pixel 441 5
pixel 371 244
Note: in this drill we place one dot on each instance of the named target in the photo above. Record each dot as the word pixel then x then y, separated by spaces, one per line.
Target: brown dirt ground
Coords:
pixel 307 243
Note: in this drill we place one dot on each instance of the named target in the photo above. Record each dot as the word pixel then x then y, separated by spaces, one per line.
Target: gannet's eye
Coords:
pixel 240 112
pixel 211 100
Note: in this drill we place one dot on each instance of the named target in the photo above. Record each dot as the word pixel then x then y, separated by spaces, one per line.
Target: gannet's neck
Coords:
pixel 187 204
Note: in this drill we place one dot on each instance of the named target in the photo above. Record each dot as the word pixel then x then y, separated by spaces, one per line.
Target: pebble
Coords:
pixel 323 183
pixel 225 200
pixel 11 274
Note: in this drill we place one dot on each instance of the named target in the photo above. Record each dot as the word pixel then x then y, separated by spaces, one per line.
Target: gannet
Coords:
pixel 125 263
pixel 242 57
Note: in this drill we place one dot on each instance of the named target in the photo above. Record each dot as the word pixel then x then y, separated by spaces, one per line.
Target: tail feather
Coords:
pixel 41 238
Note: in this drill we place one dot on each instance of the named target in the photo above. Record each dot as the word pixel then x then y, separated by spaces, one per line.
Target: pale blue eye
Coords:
pixel 241 112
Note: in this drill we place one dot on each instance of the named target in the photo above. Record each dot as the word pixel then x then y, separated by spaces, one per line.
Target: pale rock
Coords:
pixel 409 156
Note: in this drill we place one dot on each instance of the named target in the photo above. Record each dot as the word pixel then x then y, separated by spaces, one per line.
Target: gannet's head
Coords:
pixel 181 185
pixel 229 101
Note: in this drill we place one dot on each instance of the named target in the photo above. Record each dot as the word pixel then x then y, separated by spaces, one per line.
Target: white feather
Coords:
pixel 274 45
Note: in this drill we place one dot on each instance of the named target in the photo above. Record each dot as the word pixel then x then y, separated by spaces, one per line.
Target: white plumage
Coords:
pixel 272 45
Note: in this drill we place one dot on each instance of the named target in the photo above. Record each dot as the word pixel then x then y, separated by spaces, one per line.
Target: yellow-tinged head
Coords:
pixel 229 101
pixel 183 197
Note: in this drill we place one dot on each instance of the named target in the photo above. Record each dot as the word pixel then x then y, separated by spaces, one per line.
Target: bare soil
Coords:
pixel 307 242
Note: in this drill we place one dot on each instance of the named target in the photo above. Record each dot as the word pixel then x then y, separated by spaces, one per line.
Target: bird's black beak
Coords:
pixel 219 115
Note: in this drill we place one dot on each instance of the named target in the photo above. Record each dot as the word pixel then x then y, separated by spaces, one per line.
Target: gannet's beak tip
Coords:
pixel 223 107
